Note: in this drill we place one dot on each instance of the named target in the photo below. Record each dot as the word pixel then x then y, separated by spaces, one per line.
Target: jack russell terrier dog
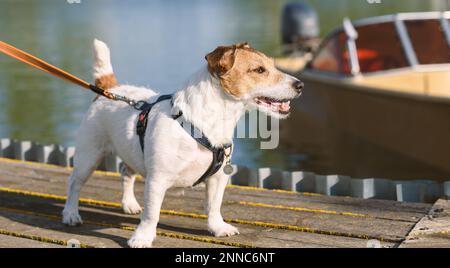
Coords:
pixel 235 79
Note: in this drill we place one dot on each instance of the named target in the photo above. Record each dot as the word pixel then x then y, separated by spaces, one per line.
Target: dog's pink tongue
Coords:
pixel 285 106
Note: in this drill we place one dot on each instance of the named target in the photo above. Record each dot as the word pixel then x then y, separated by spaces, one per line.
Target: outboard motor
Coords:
pixel 300 28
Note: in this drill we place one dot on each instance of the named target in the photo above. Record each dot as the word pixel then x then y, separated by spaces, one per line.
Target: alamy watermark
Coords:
pixel 253 125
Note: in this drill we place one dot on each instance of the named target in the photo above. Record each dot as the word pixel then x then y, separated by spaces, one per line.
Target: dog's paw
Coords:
pixel 223 229
pixel 131 207
pixel 139 242
pixel 143 236
pixel 71 218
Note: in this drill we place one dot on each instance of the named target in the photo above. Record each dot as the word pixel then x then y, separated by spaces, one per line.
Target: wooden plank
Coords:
pixel 381 219
pixel 393 230
pixel 433 230
pixel 374 227
pixel 15 242
pixel 250 235
pixel 388 229
pixel 89 234
pixel 375 208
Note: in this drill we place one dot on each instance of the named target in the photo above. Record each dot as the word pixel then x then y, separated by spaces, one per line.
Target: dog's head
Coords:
pixel 251 77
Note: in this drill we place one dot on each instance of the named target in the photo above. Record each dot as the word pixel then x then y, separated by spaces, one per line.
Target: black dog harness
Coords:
pixel 218 153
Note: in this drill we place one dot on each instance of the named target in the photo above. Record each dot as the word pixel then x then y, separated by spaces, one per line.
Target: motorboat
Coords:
pixel 377 100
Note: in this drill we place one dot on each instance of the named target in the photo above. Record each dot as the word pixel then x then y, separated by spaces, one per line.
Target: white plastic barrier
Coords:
pixel 297 181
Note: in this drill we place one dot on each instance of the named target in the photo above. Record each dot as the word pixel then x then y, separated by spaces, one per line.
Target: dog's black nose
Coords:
pixel 298 86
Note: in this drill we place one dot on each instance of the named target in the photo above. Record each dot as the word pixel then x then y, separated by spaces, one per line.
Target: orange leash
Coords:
pixel 40 64
pixel 48 68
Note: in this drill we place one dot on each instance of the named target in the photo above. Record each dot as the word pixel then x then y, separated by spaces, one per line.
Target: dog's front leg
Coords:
pixel 155 190
pixel 215 188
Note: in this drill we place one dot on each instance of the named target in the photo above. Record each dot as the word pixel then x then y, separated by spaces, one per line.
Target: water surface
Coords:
pixel 154 43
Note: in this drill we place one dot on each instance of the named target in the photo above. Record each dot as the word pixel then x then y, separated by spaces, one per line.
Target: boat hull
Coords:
pixel 362 132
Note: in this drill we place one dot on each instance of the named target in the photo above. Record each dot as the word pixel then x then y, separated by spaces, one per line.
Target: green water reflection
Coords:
pixel 154 43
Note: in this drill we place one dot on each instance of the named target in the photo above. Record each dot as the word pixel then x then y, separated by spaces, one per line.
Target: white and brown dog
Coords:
pixel 236 79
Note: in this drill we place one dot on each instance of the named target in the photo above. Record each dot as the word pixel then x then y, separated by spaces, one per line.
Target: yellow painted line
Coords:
pixel 132 228
pixel 139 178
pixel 202 216
pixel 39 238
pixel 425 233
pixel 36 164
pixel 171 212
pixel 446 232
pixel 310 230
pixel 281 226
pixel 251 188
pixel 300 209
pixel 93 202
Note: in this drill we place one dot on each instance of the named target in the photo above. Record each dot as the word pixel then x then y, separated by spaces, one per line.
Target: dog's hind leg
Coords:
pixel 129 202
pixel 85 162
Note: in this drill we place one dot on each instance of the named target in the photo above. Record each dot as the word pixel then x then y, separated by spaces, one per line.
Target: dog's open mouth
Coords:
pixel 278 106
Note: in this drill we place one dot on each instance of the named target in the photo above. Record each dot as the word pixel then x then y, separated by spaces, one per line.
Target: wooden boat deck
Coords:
pixel 32 198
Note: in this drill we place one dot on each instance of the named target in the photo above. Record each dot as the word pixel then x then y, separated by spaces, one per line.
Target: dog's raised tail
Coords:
pixel 103 70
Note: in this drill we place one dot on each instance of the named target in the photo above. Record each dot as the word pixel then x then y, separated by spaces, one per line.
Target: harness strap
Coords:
pixel 145 109
pixel 216 164
pixel 218 153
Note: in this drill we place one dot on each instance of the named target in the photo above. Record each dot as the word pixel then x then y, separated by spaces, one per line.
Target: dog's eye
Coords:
pixel 260 70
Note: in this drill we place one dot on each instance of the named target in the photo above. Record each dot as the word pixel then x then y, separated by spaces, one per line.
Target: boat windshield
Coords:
pixel 333 56
pixel 429 41
pixel 379 47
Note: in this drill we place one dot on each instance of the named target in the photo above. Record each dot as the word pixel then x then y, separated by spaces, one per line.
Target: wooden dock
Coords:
pixel 32 197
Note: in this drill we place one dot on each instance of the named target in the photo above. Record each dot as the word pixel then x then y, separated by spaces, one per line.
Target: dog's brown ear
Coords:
pixel 221 60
